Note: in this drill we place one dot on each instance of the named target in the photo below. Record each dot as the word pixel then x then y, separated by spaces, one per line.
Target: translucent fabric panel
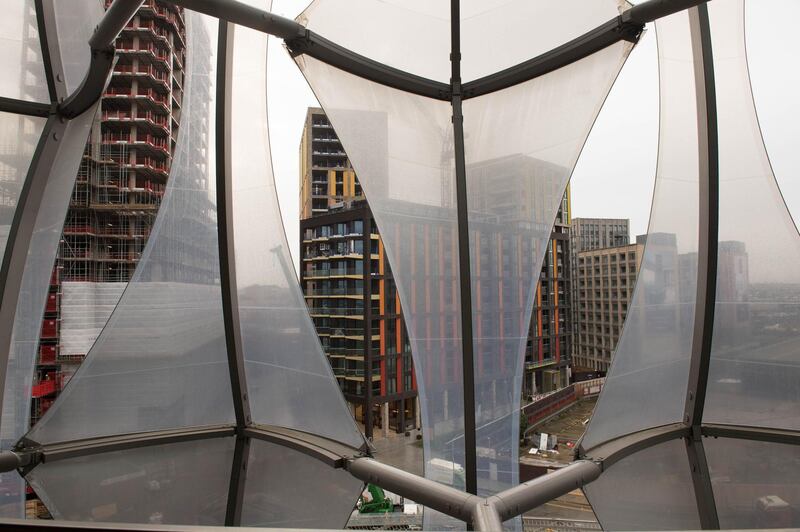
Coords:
pixel 649 490
pixel 755 483
pixel 289 379
pixel 180 483
pixel 288 489
pixel 19 136
pixel 32 297
pixel 521 145
pixel 401 146
pixel 755 359
pixel 21 63
pixel 495 34
pixel 646 385
pixel 161 362
pixel 75 23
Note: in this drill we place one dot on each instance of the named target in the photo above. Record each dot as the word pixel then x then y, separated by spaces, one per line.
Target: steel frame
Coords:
pixel 481 513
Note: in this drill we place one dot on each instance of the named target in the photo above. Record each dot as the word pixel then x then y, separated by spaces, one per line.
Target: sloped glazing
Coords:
pixel 288 489
pixel 648 490
pixel 152 485
pixel 755 483
pixel 22 62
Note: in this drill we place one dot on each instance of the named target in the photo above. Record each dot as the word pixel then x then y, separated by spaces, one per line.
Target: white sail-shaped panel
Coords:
pixel 289 380
pixel 160 362
pixel 521 146
pixel 646 385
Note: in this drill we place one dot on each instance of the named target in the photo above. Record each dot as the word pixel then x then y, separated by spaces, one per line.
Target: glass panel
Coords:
pixel 180 483
pixel 19 136
pixel 21 63
pixel 33 291
pixel 401 146
pixel 75 23
pixel 754 361
pixel 160 362
pixel 646 385
pixel 755 483
pixel 290 381
pixel 496 34
pixel 521 145
pixel 288 489
pixel 649 490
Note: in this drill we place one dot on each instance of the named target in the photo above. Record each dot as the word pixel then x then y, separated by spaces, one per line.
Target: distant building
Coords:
pixel 349 288
pixel 597 233
pixel 604 282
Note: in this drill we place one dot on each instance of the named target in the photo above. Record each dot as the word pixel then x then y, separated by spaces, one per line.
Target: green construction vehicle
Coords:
pixel 378 502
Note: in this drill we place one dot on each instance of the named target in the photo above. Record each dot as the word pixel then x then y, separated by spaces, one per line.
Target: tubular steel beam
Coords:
pixel 245 15
pixel 449 501
pixel 708 216
pixel 227 249
pixel 465 278
pixel 532 494
pixel 330 452
pixel 708 225
pixel 613 451
pixel 738 432
pixel 101 48
pixel 35 453
pixel 22 107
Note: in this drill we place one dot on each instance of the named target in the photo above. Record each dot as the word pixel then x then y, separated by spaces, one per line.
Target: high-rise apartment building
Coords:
pixel 547 356
pixel 349 288
pixel 591 234
pixel 605 279
pixel 118 190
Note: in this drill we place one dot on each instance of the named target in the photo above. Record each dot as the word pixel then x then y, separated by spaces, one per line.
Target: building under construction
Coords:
pixel 117 193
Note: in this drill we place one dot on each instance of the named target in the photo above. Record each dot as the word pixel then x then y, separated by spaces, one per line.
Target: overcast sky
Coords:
pixel 614 176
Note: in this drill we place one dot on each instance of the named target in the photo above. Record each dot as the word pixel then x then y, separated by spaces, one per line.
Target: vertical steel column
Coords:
pixel 367 261
pixel 708 236
pixel 227 270
pixel 465 278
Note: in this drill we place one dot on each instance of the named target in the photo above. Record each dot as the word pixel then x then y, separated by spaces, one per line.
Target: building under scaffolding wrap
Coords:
pixel 207 398
pixel 118 189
